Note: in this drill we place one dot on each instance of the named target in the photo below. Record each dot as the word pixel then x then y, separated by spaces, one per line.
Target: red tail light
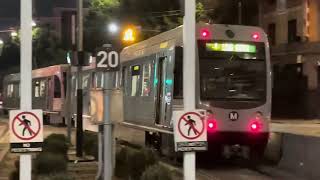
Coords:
pixel 212 125
pixel 255 126
pixel 256 36
pixel 205 33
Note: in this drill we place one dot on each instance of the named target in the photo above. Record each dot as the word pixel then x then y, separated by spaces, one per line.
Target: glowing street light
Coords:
pixel 113 28
pixel 129 35
pixel 33 23
pixel 1 42
pixel 14 34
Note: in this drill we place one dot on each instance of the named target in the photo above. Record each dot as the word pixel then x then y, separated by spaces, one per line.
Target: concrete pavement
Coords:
pixel 297 127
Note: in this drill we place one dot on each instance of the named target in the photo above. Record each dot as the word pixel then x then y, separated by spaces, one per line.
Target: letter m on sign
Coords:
pixel 233 116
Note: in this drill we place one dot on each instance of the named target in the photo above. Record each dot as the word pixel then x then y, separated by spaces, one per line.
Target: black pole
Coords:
pixel 79 123
pixel 79 90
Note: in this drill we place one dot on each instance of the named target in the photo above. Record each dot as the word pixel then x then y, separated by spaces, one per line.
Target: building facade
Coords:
pixel 293 27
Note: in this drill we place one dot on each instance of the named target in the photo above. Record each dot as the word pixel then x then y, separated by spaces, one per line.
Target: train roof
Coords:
pixel 171 38
pixel 38 73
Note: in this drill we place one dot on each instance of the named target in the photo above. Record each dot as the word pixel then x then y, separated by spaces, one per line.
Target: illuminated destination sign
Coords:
pixel 231 47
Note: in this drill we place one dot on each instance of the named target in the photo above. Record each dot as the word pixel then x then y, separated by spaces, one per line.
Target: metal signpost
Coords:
pixel 26 75
pixel 108 61
pixel 189 78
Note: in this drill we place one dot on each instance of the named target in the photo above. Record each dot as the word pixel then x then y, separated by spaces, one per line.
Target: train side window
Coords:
pixel 10 90
pixel 98 79
pixel 57 87
pixel 65 80
pixel 74 85
pixel 178 74
pixel 42 91
pixel 37 88
pixel 18 90
pixel 86 81
pixel 135 78
pixel 124 80
pixel 146 80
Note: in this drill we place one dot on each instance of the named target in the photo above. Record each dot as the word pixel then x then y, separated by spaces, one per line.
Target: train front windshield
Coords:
pixel 232 71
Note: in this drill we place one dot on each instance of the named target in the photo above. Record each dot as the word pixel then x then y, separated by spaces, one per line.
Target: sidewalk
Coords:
pixel 297 127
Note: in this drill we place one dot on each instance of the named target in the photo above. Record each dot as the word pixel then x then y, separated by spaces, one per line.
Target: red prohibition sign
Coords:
pixel 17 118
pixel 184 119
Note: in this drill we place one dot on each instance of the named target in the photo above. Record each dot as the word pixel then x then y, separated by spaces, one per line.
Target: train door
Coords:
pixel 57 94
pixel 50 94
pixel 163 91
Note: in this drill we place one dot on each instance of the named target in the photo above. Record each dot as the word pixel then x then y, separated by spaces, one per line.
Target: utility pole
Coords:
pixel 26 75
pixel 79 79
pixel 189 78
pixel 240 11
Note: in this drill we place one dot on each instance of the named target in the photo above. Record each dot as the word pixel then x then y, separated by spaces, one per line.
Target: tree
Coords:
pixel 152 17
pixel 95 26
pixel 226 11
pixel 47 50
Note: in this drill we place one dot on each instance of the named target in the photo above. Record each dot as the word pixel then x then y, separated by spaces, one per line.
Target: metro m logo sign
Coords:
pixel 233 116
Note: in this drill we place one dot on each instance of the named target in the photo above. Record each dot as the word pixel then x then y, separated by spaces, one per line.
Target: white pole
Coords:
pixel 189 65
pixel 26 75
pixel 108 139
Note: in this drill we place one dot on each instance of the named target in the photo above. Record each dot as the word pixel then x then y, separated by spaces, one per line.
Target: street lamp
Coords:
pixel 129 35
pixel 14 34
pixel 33 23
pixel 1 42
pixel 113 28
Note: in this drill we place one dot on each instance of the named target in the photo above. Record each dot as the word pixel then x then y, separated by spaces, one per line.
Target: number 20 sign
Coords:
pixel 108 60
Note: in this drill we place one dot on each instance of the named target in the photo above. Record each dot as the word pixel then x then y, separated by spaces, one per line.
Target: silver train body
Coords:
pixel 233 85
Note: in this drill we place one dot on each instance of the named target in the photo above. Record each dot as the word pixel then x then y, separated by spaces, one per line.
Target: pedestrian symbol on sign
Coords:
pixel 26 123
pixel 191 123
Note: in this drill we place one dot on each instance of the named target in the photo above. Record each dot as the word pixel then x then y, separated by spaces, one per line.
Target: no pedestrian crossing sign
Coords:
pixel 26 130
pixel 190 130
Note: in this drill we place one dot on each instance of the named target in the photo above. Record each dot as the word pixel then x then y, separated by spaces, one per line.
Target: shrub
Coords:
pixel 56 144
pixel 59 176
pixel 131 163
pixel 59 137
pixel 14 175
pixel 156 172
pixel 56 147
pixel 150 156
pixel 137 164
pixel 90 144
pixel 121 169
pixel 47 163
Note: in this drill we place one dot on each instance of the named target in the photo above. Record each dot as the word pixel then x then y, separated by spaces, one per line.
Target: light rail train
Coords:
pixel 233 84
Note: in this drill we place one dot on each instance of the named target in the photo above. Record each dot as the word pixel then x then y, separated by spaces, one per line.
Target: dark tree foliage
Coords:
pixel 151 18
pixel 226 11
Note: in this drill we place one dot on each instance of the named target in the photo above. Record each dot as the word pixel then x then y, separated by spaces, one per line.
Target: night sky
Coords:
pixel 10 10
